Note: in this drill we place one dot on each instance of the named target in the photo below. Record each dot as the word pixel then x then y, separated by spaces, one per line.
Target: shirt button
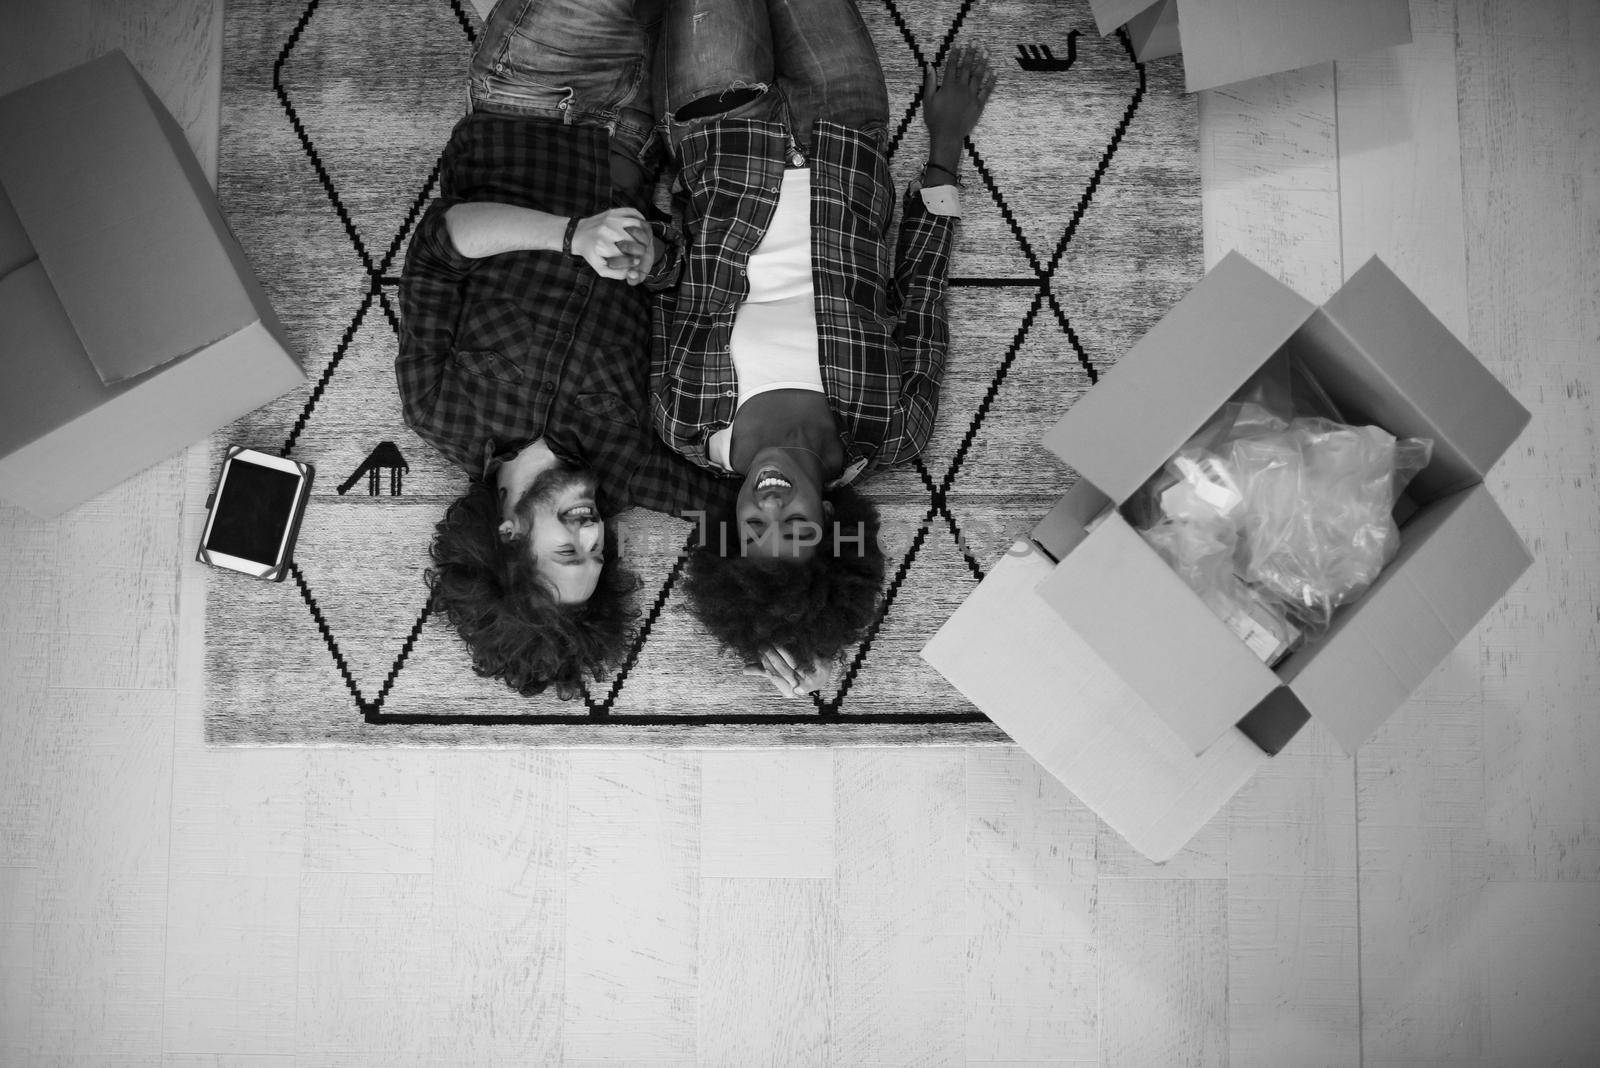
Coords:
pixel 730 393
pixel 549 387
pixel 772 189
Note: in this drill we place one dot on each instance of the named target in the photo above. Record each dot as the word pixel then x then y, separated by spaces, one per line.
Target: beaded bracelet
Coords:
pixel 954 177
pixel 566 240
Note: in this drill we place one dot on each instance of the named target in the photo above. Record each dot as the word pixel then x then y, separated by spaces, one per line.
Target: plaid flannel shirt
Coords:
pixel 881 328
pixel 498 351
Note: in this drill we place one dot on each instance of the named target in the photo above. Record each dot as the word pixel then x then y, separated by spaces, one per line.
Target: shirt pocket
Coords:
pixel 867 194
pixel 606 407
pixel 869 202
pixel 487 364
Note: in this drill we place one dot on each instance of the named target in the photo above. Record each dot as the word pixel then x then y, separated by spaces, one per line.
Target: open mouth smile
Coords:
pixel 770 479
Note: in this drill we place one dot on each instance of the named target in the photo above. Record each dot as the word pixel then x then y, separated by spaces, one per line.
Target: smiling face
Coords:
pixel 780 510
pixel 566 536
pixel 552 505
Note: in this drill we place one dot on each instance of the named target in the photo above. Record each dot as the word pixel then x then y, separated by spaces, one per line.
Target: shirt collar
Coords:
pixel 495 455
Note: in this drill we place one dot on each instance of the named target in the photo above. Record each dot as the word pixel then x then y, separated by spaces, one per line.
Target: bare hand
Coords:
pixel 612 236
pixel 782 670
pixel 953 97
pixel 636 266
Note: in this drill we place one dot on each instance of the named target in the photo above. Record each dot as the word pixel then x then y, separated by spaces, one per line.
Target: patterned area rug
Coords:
pixel 1082 225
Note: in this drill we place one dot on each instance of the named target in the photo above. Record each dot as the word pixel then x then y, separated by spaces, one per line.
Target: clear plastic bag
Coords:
pixel 1277 512
pixel 1201 550
pixel 1317 525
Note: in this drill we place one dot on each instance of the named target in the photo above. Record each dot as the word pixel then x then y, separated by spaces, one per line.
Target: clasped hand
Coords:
pixel 781 669
pixel 617 244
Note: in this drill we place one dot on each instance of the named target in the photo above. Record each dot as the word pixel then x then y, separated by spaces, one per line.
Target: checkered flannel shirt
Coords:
pixel 496 352
pixel 881 328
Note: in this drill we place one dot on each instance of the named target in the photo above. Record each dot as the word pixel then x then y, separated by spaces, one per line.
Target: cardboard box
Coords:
pixel 1384 359
pixel 1101 603
pixel 1015 658
pixel 1154 34
pixel 131 324
pixel 1226 41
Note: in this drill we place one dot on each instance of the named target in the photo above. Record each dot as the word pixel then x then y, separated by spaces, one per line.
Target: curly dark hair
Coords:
pixel 813 608
pixel 515 629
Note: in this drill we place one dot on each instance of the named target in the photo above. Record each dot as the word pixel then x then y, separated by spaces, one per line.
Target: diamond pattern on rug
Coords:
pixel 1081 227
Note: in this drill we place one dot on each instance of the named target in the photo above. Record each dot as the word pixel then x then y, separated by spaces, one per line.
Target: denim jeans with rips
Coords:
pixel 581 62
pixel 789 61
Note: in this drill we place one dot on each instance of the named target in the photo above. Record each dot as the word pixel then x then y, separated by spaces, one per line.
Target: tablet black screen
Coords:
pixel 252 512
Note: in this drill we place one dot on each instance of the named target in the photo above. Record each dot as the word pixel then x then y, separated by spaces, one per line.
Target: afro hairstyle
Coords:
pixel 813 608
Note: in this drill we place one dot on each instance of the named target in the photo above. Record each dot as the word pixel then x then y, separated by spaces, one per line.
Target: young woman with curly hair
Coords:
pixel 524 345
pixel 795 351
pixel 511 586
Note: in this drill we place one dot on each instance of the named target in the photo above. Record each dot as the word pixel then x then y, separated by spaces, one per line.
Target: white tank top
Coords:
pixel 774 342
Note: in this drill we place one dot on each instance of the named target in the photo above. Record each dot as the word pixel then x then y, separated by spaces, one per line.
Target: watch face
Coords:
pixel 252 512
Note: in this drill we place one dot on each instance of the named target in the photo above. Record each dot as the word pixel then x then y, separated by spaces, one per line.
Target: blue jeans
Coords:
pixel 790 61
pixel 583 62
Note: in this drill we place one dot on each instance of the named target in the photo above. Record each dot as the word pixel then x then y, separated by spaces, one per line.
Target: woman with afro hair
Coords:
pixel 794 352
pixel 788 618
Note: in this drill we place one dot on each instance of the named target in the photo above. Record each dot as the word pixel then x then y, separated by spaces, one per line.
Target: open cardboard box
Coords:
pixel 1185 691
pixel 131 324
pixel 1225 41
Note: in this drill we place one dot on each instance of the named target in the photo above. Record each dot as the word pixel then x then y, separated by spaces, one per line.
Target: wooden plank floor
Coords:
pixel 1434 900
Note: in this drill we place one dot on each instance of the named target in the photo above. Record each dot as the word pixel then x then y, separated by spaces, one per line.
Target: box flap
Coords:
pixel 243 272
pixel 48 377
pixel 126 427
pixel 1067 524
pixel 1458 557
pixel 1231 40
pixel 1176 377
pixel 15 248
pixel 1154 31
pixel 1109 14
pixel 117 220
pixel 1134 611
pixel 1014 658
pixel 1473 416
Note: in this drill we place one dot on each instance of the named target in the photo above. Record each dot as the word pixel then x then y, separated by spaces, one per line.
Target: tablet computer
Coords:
pixel 254 513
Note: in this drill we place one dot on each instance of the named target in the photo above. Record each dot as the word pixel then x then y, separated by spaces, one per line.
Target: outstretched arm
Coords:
pixel 952 105
pixel 952 102
pixel 614 243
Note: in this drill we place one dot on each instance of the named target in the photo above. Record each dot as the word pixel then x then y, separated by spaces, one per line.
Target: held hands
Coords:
pixel 953 99
pixel 636 265
pixel 780 669
pixel 616 243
